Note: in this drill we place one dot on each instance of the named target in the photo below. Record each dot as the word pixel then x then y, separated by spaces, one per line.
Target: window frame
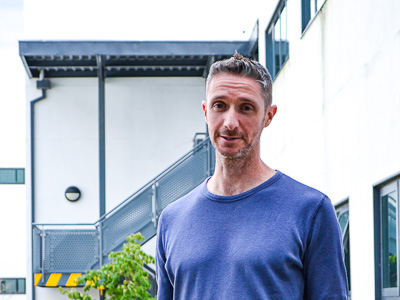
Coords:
pixel 18 175
pixel 341 208
pixel 381 189
pixel 307 17
pixel 17 279
pixel 270 39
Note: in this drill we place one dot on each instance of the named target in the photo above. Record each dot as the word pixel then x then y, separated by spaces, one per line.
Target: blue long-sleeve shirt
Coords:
pixel 280 240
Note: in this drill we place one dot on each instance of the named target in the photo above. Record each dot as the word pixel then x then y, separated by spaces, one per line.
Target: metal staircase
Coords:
pixel 62 252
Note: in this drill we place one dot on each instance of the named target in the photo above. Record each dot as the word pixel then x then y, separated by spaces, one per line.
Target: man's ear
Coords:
pixel 269 115
pixel 204 104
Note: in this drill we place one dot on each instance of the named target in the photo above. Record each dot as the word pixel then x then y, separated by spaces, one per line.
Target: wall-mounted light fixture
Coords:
pixel 72 193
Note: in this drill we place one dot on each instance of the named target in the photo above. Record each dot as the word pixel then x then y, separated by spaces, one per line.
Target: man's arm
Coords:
pixel 324 269
pixel 165 288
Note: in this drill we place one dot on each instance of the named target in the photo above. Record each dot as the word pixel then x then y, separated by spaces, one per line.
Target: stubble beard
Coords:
pixel 241 154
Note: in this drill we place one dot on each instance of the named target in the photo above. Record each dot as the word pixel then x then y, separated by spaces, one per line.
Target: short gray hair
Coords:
pixel 243 66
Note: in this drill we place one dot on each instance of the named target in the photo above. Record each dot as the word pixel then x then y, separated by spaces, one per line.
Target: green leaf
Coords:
pixel 122 278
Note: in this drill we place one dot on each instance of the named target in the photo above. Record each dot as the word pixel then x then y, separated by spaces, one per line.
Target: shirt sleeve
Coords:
pixel 165 288
pixel 324 269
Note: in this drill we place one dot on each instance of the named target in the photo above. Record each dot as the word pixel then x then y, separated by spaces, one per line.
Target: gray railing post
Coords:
pixel 209 158
pixel 154 203
pixel 43 234
pixel 100 234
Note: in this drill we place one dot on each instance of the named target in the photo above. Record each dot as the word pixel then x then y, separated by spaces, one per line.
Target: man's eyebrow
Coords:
pixel 222 97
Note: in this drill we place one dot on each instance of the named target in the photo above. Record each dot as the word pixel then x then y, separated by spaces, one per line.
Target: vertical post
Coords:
pixel 100 233
pixel 32 162
pixel 154 203
pixel 43 234
pixel 378 243
pixel 208 158
pixel 102 146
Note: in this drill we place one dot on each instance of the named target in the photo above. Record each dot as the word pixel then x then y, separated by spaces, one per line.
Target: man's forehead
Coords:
pixel 233 81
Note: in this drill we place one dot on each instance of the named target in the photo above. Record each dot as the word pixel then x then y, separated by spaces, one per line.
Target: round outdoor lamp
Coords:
pixel 72 193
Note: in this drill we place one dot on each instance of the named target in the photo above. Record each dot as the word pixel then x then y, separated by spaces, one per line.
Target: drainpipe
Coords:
pixel 42 84
pixel 102 144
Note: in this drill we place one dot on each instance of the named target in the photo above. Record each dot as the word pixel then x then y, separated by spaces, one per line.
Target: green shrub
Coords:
pixel 123 278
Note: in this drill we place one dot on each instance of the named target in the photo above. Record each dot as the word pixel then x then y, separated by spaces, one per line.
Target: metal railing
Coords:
pixel 72 248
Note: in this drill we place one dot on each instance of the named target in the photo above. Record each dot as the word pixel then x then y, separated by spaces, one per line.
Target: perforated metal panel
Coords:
pixel 127 220
pixel 36 244
pixel 70 250
pixel 78 250
pixel 183 178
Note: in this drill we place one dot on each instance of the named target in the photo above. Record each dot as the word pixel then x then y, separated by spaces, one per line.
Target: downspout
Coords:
pixel 102 151
pixel 41 84
pixel 102 144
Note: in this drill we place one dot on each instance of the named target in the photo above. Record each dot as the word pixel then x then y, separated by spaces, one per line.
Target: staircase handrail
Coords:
pixel 155 179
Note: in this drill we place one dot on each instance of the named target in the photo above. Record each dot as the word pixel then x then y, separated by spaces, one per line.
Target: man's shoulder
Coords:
pixel 180 206
pixel 299 191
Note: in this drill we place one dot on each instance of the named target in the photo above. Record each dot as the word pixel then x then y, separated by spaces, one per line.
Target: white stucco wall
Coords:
pixel 12 232
pixel 66 150
pixel 338 122
pixel 12 146
pixel 150 123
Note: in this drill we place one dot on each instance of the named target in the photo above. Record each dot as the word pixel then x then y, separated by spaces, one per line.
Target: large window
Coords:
pixel 12 286
pixel 277 45
pixel 387 238
pixel 309 9
pixel 342 213
pixel 12 176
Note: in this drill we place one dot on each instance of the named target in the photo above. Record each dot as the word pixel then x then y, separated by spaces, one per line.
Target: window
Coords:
pixel 342 213
pixel 12 286
pixel 12 176
pixel 277 44
pixel 309 9
pixel 386 215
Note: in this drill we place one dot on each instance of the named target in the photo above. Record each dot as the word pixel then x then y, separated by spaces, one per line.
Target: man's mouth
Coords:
pixel 229 138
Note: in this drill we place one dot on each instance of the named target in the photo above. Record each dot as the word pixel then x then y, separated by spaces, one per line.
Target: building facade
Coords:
pixel 95 126
pixel 120 125
pixel 335 66
pixel 13 233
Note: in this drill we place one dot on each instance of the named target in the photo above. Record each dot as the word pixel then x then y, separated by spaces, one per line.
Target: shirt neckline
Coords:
pixel 240 196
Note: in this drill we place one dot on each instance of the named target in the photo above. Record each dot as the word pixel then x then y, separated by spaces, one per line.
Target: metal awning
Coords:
pixel 127 58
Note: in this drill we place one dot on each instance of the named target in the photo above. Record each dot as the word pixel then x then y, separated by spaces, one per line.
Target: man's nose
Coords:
pixel 231 119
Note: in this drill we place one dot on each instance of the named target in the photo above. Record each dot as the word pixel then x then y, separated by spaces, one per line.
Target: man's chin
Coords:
pixel 231 154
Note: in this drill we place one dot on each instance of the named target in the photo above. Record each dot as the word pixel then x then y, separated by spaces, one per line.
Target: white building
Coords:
pixel 104 119
pixel 13 233
pixel 110 116
pixel 336 66
pixel 12 156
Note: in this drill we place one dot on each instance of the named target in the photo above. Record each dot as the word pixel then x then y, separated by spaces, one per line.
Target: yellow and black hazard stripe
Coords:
pixel 57 279
pixel 61 279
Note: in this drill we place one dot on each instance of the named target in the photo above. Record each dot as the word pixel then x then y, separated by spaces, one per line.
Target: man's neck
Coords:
pixel 236 176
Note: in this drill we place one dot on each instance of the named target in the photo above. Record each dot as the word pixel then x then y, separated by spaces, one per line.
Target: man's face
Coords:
pixel 236 115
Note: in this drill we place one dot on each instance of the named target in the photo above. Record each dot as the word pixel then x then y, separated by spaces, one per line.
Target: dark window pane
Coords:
pixel 21 286
pixel 277 45
pixel 344 217
pixel 8 286
pixel 21 176
pixel 7 176
pixel 389 240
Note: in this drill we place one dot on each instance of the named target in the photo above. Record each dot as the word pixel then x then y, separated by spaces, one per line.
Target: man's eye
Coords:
pixel 247 107
pixel 218 105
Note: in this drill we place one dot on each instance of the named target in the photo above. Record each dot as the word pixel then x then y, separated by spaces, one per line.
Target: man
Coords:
pixel 248 232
